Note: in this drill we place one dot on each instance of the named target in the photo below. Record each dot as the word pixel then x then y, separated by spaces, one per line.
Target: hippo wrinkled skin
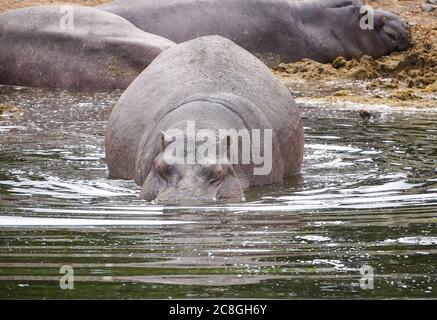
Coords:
pixel 98 51
pixel 274 30
pixel 218 85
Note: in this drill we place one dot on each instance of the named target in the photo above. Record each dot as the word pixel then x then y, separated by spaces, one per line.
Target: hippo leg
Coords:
pixel 344 28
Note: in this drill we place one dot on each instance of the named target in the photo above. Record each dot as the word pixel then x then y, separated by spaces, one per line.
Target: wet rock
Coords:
pixel 364 114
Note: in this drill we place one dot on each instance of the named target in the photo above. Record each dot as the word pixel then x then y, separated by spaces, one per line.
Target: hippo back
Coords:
pixel 262 27
pixel 209 69
pixel 73 47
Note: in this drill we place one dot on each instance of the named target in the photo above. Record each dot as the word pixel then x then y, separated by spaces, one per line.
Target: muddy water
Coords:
pixel 367 197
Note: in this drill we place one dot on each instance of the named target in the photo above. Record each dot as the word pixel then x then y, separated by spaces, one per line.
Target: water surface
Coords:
pixel 367 196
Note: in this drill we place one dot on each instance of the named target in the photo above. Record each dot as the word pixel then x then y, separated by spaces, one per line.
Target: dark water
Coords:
pixel 367 197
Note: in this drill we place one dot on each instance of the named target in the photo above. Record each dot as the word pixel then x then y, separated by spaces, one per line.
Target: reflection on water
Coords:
pixel 367 196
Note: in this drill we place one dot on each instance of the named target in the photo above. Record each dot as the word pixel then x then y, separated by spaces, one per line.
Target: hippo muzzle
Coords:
pixel 176 183
pixel 191 189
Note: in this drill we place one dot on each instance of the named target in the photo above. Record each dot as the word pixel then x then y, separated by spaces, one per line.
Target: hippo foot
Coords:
pixel 350 29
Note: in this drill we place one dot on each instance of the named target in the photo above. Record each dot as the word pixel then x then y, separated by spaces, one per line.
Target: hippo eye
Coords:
pixel 216 174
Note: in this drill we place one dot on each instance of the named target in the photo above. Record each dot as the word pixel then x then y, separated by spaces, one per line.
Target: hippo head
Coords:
pixel 174 178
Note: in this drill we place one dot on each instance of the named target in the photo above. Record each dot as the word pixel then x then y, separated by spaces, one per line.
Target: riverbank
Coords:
pixel 404 79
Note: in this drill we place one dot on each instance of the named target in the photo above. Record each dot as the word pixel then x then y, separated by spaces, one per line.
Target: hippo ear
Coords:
pixel 162 144
pixel 165 140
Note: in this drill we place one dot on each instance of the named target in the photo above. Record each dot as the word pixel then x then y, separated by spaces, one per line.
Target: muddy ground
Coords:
pixel 408 78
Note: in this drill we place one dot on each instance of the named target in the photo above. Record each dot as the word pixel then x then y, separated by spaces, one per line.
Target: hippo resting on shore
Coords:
pixel 274 30
pixel 211 84
pixel 73 47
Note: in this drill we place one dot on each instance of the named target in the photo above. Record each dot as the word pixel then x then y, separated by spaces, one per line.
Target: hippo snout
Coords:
pixel 195 190
pixel 191 188
pixel 175 196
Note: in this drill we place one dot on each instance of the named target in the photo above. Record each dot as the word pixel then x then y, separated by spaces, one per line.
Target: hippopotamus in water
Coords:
pixel 73 47
pixel 274 30
pixel 211 84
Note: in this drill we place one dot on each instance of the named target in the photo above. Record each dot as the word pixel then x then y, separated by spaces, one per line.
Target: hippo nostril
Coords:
pixel 179 196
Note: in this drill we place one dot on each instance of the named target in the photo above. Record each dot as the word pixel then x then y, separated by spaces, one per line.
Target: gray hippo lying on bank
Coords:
pixel 73 47
pixel 213 85
pixel 274 30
